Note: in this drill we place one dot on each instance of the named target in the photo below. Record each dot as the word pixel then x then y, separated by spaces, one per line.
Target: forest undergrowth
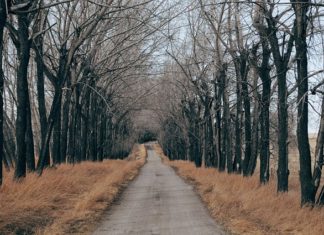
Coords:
pixel 243 206
pixel 68 199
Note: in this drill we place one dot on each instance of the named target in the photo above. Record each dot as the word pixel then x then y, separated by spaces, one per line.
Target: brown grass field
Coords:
pixel 243 206
pixel 68 199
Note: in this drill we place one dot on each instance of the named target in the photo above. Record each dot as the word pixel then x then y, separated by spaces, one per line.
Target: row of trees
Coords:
pixel 238 64
pixel 70 77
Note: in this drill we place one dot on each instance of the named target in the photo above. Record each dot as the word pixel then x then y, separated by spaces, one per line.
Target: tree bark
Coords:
pixel 218 120
pixel 70 142
pixel 198 155
pixel 85 125
pixel 22 95
pixel 238 119
pixel 30 153
pixel 77 125
pixel 208 134
pixel 281 64
pixel 255 126
pixel 56 148
pixel 102 130
pixel 41 93
pixel 3 16
pixel 93 128
pixel 226 157
pixel 305 173
pixel 319 157
pixel 65 121
pixel 264 73
pixel 243 69
pixel 56 105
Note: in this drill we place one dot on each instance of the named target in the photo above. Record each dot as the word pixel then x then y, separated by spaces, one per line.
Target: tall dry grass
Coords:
pixel 69 199
pixel 243 206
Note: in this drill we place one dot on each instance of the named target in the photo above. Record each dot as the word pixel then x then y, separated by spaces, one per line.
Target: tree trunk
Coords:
pixel 65 121
pixel 319 155
pixel 75 137
pixel 218 120
pixel 9 141
pixel 305 173
pixel 281 64
pixel 85 125
pixel 22 95
pixel 93 128
pixel 208 134
pixel 264 73
pixel 3 16
pixel 238 127
pixel 243 72
pixel 56 148
pixel 282 172
pixel 56 106
pixel 70 151
pixel 198 157
pixel 30 153
pixel 78 120
pixel 226 153
pixel 255 126
pixel 41 94
pixel 102 124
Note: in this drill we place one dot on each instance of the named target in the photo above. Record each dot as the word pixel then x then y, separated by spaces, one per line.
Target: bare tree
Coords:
pixel 3 16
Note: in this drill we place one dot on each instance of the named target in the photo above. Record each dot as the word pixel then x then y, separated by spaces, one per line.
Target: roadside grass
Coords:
pixel 243 206
pixel 68 199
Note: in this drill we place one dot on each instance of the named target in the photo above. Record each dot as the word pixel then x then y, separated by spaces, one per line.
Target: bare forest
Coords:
pixel 73 72
pixel 233 86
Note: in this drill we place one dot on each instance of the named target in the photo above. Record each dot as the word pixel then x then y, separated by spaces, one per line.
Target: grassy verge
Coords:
pixel 242 206
pixel 69 199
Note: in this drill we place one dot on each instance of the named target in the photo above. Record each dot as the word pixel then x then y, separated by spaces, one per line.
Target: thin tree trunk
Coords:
pixel 76 138
pixel 70 148
pixel 226 154
pixel 3 17
pixel 56 148
pixel 30 153
pixel 198 156
pixel 319 155
pixel 242 64
pixel 218 121
pixel 9 141
pixel 238 128
pixel 255 127
pixel 41 94
pixel 102 130
pixel 65 121
pixel 208 135
pixel 85 126
pixel 93 128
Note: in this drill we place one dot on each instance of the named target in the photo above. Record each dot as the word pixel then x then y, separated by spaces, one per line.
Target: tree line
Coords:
pixel 240 84
pixel 70 75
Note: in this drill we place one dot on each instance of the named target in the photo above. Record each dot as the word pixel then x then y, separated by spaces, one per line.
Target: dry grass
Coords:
pixel 245 207
pixel 69 199
pixel 294 156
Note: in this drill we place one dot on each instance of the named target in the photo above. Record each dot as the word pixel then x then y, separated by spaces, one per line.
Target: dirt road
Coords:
pixel 158 202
